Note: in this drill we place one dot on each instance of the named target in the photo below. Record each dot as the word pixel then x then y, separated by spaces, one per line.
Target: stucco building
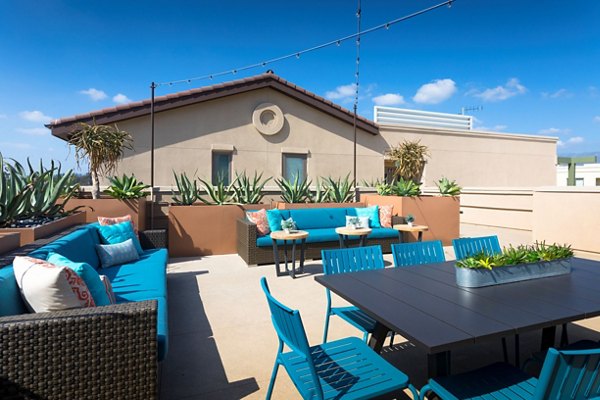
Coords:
pixel 267 124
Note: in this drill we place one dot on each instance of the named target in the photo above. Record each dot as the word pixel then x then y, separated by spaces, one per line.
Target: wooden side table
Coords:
pixel 344 234
pixel 401 228
pixel 293 237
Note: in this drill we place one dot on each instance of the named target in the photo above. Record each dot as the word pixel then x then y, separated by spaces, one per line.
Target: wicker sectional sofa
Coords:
pixel 320 223
pixel 109 352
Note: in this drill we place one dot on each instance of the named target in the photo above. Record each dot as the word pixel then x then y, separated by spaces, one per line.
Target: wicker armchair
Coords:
pixel 253 255
pixel 89 353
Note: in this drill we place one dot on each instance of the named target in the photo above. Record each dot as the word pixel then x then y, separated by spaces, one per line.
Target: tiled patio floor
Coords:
pixel 222 343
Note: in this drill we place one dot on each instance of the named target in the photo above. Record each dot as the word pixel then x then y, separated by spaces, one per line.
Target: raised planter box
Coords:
pixel 9 242
pixel 295 206
pixel 472 278
pixel 440 213
pixel 201 230
pixel 109 207
pixel 29 235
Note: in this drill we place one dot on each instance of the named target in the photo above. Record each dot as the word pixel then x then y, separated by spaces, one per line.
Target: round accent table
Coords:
pixel 402 228
pixel 344 233
pixel 293 237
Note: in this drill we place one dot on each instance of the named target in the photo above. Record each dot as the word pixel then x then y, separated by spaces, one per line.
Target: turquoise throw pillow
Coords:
pixel 85 272
pixel 274 217
pixel 116 254
pixel 118 233
pixel 371 212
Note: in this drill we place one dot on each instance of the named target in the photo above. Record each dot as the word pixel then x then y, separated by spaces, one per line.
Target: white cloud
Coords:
pixel 35 116
pixel 34 131
pixel 94 94
pixel 571 140
pixel 389 99
pixel 554 131
pixel 512 88
pixel 435 92
pixel 120 98
pixel 560 93
pixel 344 93
pixel 597 119
pixel 495 128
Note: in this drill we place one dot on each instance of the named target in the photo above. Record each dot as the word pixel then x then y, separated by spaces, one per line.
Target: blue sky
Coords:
pixel 532 66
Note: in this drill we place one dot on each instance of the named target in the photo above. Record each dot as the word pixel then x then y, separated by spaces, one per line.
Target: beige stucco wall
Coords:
pixel 482 159
pixel 186 136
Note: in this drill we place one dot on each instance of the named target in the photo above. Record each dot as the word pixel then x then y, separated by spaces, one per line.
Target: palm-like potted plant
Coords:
pixel 102 147
pixel 409 158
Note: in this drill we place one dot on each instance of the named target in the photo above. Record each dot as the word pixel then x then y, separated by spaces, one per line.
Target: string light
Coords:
pixel 297 54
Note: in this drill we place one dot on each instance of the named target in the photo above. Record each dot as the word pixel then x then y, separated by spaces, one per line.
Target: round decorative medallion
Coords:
pixel 268 119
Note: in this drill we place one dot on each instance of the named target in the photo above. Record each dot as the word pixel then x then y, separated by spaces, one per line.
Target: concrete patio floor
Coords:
pixel 223 345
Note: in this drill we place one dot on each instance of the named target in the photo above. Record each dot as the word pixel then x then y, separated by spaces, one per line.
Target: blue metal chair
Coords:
pixel 465 247
pixel 342 369
pixel 353 259
pixel 418 253
pixel 572 375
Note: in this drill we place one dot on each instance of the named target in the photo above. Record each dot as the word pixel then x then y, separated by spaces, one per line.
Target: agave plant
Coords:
pixel 448 187
pixel 220 194
pixel 321 193
pixel 406 188
pixel 249 191
pixel 340 190
pixel 384 189
pixel 187 188
pixel 409 158
pixel 296 191
pixel 126 187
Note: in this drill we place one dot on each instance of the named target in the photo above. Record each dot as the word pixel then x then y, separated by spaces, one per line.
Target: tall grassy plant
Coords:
pixel 297 191
pixel 321 193
pixel 409 158
pixel 219 194
pixel 340 190
pixel 187 189
pixel 249 191
pixel 102 147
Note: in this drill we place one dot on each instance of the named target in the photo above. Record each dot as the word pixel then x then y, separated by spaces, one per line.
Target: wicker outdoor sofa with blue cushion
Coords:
pixel 320 223
pixel 88 353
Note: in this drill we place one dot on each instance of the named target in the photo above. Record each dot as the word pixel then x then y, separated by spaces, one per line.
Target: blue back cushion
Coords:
pixel 11 302
pixel 315 218
pixel 78 246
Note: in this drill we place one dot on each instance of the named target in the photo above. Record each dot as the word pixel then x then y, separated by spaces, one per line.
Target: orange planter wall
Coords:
pixel 201 230
pixel 440 213
pixel 95 208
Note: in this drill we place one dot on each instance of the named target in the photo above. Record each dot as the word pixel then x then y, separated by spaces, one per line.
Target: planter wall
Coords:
pixel 201 230
pixel 472 278
pixel 440 213
pixel 109 207
pixel 294 206
pixel 9 242
pixel 29 235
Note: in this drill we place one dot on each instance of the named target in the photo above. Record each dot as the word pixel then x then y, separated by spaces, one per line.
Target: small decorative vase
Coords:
pixel 287 231
pixel 410 224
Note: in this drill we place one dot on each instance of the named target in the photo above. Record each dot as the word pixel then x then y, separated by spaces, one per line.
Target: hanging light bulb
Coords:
pixel 338 43
pixel 387 26
pixel 297 55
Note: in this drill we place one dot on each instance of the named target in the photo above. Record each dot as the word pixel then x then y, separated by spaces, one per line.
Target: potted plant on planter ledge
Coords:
pixel 514 264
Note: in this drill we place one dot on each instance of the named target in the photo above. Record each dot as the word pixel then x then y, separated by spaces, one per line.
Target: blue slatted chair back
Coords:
pixel 290 330
pixel 418 253
pixel 354 259
pixel 572 374
pixel 465 247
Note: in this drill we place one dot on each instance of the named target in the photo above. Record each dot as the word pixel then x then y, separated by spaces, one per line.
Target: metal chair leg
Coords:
pixel 326 330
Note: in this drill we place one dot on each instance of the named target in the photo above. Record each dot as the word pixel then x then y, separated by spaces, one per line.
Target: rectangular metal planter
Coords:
pixel 466 277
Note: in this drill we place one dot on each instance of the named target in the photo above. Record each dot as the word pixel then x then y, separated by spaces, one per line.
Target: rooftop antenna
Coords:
pixel 470 108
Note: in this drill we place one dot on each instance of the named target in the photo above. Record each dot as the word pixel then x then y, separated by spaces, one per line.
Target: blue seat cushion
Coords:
pixel 11 302
pixel 317 218
pixel 144 279
pixel 77 246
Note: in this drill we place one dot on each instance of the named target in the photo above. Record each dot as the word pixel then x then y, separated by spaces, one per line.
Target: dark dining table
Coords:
pixel 424 305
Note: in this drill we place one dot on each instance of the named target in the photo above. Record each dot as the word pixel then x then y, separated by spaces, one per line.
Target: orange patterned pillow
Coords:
pixel 260 219
pixel 385 216
pixel 116 220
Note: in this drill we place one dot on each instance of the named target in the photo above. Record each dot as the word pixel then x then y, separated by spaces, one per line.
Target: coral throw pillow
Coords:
pixel 116 220
pixel 260 219
pixel 48 287
pixel 385 216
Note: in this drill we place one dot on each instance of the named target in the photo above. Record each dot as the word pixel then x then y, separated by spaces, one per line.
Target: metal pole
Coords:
pixel 152 88
pixel 358 15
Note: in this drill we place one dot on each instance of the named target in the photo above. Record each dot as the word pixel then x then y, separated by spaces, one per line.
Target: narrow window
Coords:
pixel 221 167
pixel 294 167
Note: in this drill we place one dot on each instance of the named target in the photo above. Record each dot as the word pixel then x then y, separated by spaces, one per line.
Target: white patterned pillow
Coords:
pixel 116 254
pixel 48 287
pixel 108 288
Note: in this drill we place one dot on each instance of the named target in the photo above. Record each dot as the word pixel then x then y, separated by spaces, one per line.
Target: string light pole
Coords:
pixel 356 84
pixel 152 89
